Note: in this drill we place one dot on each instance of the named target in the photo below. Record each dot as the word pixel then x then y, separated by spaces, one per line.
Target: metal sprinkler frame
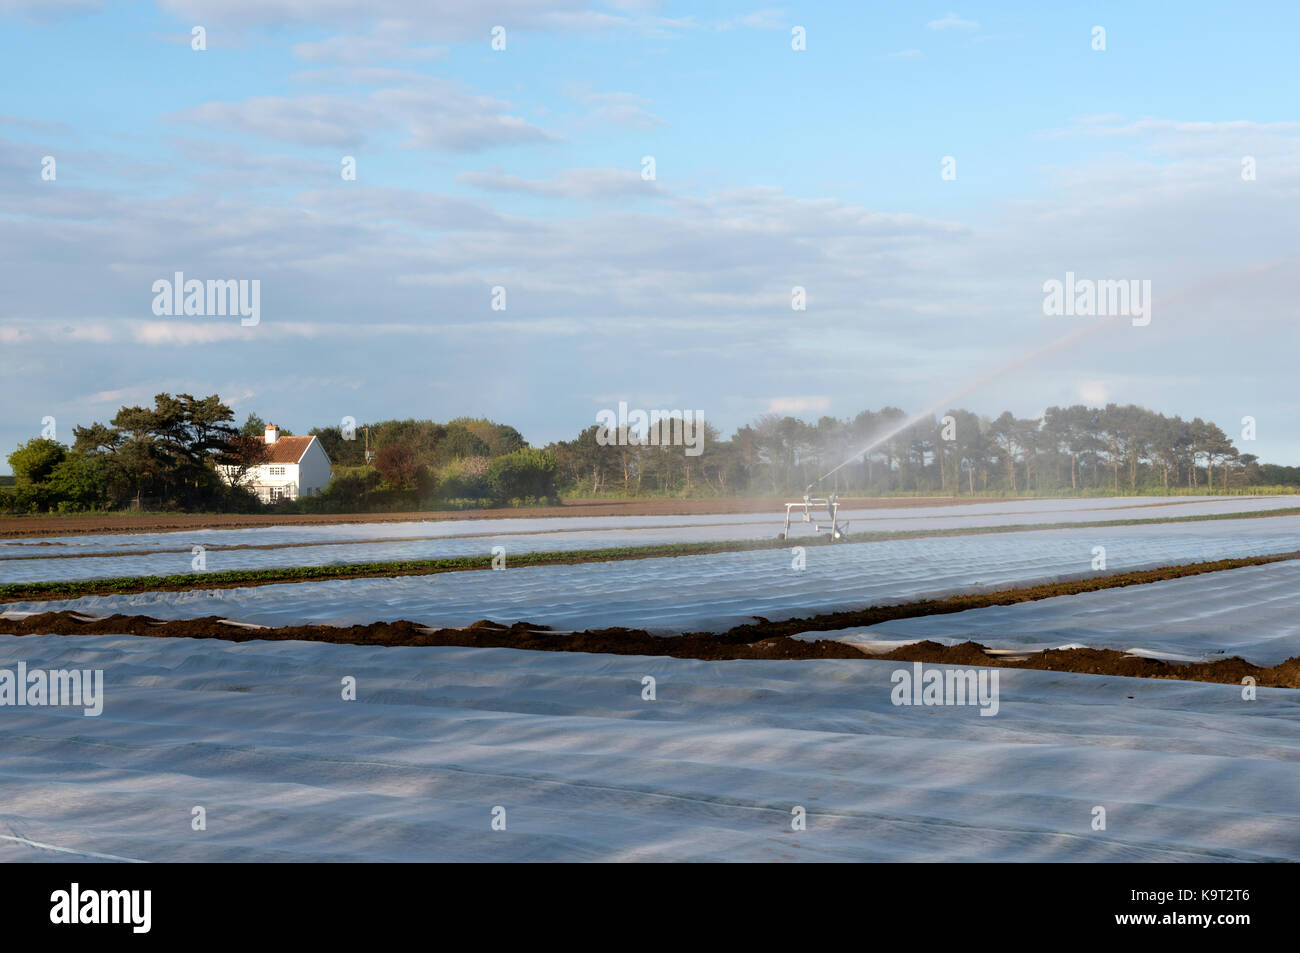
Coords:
pixel 809 506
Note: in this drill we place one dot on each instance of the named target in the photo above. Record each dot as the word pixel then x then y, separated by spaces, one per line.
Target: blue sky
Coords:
pixel 522 168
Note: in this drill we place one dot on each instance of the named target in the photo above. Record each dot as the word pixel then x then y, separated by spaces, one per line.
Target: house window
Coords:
pixel 277 471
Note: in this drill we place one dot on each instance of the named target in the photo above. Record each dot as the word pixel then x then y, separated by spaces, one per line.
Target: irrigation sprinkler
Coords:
pixel 809 506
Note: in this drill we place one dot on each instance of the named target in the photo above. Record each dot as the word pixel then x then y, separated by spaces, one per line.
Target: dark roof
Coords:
pixel 287 449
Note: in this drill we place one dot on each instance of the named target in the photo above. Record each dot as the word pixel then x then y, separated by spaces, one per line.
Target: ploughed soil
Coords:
pixel 12 527
pixel 760 640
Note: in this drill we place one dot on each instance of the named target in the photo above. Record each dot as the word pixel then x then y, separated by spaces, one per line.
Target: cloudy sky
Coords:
pixel 525 168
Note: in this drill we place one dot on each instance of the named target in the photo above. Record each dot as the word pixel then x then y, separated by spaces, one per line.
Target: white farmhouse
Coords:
pixel 292 467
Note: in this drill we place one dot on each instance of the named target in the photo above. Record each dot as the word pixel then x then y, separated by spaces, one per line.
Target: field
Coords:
pixel 598 754
pixel 51 525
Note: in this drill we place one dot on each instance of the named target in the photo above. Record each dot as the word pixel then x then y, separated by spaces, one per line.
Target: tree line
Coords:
pixel 1113 449
pixel 163 456
pixel 166 457
pixel 422 464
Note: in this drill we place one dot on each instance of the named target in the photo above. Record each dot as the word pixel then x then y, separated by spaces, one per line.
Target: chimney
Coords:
pixel 272 434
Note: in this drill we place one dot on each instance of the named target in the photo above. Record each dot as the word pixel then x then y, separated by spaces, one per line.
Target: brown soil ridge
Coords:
pixel 17 527
pixel 735 644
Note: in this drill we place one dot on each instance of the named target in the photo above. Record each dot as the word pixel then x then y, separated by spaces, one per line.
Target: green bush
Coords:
pixel 525 475
pixel 35 460
pixel 78 483
pixel 465 479
pixel 22 500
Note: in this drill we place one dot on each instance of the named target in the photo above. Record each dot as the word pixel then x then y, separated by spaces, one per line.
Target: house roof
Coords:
pixel 287 449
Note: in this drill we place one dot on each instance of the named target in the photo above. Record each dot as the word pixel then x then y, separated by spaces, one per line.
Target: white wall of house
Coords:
pixel 273 481
pixel 278 481
pixel 313 470
pixel 269 481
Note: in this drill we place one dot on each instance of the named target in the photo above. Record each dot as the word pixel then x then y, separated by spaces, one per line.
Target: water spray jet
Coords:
pixel 809 503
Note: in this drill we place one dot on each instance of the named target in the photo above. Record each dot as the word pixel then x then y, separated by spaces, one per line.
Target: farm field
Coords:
pixel 108 556
pixel 94 523
pixel 710 769
pixel 597 432
pixel 586 770
pixel 1249 612
pixel 716 591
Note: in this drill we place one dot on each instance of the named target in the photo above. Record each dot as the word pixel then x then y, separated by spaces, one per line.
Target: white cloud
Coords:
pixel 122 396
pixel 438 20
pixel 952 22
pixel 1094 393
pixel 36 125
pixel 768 19
pixel 587 184
pixel 1230 139
pixel 619 109
pixel 817 403
pixel 624 109
pixel 447 116
pixel 350 50
pixel 307 120
pixel 49 10
pixel 360 277
pixel 435 114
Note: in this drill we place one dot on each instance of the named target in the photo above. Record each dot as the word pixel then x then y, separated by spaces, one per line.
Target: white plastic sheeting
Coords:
pixel 354 543
pixel 588 771
pixel 1253 612
pixel 716 591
